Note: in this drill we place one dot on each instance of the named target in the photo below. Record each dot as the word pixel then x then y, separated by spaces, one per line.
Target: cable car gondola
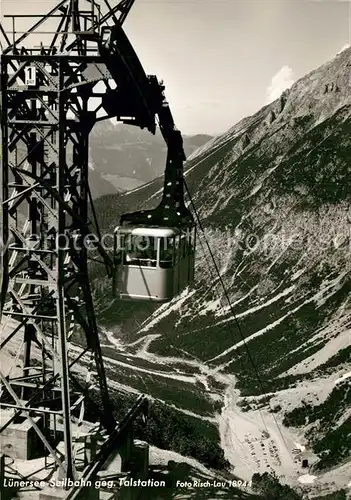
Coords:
pixel 155 249
pixel 143 273
pixel 155 263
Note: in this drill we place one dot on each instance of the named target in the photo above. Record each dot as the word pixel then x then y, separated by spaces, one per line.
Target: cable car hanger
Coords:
pixel 142 97
pixel 161 269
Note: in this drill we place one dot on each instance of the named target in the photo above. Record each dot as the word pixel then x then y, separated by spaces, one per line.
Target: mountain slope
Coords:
pixel 124 157
pixel 273 195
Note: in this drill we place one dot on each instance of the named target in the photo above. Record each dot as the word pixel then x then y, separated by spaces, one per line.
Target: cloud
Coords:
pixel 344 47
pixel 282 80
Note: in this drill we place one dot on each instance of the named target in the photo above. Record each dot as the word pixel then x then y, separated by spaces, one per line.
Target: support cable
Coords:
pixel 233 313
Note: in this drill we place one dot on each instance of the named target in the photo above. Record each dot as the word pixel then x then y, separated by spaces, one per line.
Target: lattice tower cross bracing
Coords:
pixel 45 294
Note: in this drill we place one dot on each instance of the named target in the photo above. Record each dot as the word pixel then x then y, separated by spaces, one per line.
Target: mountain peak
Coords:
pixel 315 97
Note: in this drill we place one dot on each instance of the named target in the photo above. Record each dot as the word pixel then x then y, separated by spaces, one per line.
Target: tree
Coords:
pixel 268 486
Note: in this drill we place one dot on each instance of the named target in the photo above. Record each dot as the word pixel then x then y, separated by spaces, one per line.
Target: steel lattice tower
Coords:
pixel 46 299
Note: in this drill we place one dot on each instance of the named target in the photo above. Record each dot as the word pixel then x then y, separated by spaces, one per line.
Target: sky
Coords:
pixel 222 60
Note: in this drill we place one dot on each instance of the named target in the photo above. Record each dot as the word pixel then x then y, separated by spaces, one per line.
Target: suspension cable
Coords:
pixel 212 256
pixel 233 313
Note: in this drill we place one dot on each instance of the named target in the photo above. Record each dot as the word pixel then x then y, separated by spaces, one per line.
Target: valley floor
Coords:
pixel 253 441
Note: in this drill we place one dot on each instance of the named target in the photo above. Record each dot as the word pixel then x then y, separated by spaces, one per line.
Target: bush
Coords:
pixel 269 488
pixel 170 429
pixel 336 495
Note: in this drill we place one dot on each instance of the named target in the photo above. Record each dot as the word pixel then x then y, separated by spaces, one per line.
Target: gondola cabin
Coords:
pixel 153 263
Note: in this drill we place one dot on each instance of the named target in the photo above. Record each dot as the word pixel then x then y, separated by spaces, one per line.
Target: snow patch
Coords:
pixel 260 332
pixel 300 447
pixel 210 306
pixel 333 285
pixel 307 479
pixel 297 274
pixel 166 309
pixel 339 341
pixel 341 379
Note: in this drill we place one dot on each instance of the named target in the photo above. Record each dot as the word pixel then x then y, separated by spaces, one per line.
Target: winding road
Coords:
pixel 251 441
